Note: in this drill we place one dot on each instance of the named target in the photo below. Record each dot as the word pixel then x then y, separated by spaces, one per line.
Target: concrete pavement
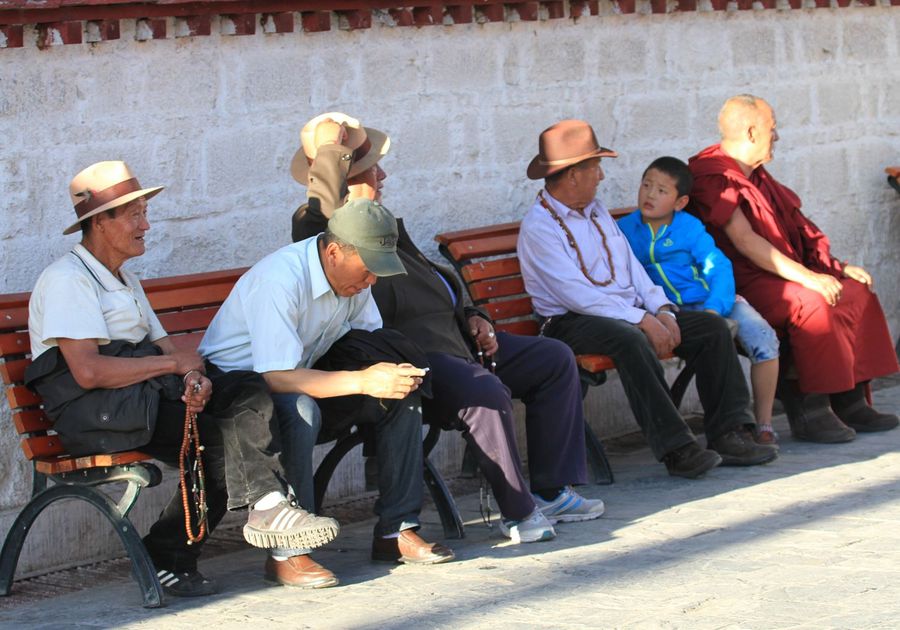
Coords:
pixel 809 541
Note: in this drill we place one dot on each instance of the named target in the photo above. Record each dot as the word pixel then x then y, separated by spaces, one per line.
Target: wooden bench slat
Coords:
pixel 20 396
pixel 42 446
pixel 55 466
pixel 493 289
pixel 189 296
pixel 31 421
pixel 594 362
pixel 488 269
pixel 522 327
pixel 14 318
pixel 478 248
pixel 480 232
pixel 14 371
pixel 180 321
pixel 153 286
pixel 509 308
pixel 14 343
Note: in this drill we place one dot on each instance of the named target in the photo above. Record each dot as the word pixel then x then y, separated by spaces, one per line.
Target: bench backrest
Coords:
pixel 184 304
pixel 486 260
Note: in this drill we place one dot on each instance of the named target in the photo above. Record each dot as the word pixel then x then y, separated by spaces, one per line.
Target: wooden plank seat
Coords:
pixel 185 305
pixel 486 260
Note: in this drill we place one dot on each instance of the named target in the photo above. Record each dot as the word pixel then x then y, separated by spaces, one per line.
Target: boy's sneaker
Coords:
pixel 288 526
pixel 570 507
pixel 534 528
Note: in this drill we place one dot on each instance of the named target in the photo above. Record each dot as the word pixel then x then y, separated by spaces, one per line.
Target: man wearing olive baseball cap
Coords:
pixel 299 317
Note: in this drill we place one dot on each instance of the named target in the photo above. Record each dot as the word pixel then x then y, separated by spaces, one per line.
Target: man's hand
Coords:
pixel 391 380
pixel 672 326
pixel 660 338
pixel 859 274
pixel 329 132
pixel 187 360
pixel 196 397
pixel 483 334
pixel 827 286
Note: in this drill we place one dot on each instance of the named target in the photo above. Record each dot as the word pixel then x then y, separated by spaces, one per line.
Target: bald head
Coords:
pixel 747 127
pixel 739 113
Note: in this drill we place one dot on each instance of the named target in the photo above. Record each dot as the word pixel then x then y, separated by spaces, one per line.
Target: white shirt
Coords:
pixel 553 276
pixel 282 314
pixel 78 297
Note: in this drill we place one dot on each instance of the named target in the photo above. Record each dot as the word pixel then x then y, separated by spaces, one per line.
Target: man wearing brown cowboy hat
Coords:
pixel 593 294
pixel 426 305
pixel 97 345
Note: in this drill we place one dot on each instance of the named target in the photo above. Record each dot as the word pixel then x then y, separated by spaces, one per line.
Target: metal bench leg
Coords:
pixel 326 469
pixel 603 474
pixel 469 467
pixel 681 382
pixel 443 502
pixel 143 569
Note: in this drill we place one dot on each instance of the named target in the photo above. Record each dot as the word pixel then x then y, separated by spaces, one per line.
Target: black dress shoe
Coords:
pixel 738 448
pixel 690 461
pixel 186 583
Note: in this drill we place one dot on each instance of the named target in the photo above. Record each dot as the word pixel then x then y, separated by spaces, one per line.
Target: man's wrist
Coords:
pixel 667 311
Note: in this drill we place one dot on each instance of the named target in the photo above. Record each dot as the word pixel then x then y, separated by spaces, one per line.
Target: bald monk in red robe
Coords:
pixel 838 338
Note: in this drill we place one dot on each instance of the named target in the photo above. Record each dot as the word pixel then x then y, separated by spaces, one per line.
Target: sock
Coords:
pixel 548 494
pixel 269 501
pixel 394 535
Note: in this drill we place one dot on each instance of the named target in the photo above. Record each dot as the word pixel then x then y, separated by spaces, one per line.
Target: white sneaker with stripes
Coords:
pixel 570 507
pixel 289 527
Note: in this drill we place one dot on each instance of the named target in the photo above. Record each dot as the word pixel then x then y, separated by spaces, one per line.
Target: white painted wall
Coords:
pixel 216 119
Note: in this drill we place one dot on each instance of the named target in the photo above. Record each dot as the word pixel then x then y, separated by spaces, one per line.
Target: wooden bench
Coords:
pixel 185 306
pixel 486 260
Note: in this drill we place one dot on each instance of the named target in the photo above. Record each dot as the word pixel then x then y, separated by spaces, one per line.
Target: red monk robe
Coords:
pixel 833 348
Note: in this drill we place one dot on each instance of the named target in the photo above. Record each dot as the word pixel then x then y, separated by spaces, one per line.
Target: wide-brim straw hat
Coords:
pixel 370 145
pixel 103 186
pixel 565 144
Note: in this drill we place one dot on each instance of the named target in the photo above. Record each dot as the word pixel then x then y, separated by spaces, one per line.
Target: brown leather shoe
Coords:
pixel 409 548
pixel 299 571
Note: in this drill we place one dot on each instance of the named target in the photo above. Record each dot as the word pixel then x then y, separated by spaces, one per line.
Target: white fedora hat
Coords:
pixel 103 186
pixel 369 145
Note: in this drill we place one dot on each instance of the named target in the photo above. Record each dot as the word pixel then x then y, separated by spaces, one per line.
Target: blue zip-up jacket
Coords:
pixel 683 259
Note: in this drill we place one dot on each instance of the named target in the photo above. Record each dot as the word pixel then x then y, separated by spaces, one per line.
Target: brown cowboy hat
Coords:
pixel 103 186
pixel 369 145
pixel 566 143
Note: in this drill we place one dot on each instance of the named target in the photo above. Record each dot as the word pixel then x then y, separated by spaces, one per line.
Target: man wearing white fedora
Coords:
pixel 592 293
pixel 95 341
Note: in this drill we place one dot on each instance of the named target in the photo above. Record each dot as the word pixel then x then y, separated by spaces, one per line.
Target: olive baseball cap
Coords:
pixel 368 226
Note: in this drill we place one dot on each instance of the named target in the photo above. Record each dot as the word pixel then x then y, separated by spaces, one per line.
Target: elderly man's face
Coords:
pixel 585 179
pixel 124 233
pixel 765 133
pixel 367 184
pixel 346 272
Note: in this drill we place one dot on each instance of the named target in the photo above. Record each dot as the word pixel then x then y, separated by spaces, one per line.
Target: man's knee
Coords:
pixel 298 412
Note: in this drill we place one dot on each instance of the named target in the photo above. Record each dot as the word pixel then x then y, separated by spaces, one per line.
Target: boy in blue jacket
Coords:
pixel 681 257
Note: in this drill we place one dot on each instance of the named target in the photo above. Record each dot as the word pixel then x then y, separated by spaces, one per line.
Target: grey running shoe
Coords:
pixel 289 527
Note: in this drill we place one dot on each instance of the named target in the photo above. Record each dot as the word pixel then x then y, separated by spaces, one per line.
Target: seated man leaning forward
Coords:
pixel 594 294
pixel 426 305
pixel 783 265
pixel 305 319
pixel 90 321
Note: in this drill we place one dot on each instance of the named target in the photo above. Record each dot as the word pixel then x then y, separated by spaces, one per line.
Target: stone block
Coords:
pixel 465 65
pixel 758 46
pixel 816 44
pixel 614 54
pixel 868 42
pixel 552 56
pixel 838 103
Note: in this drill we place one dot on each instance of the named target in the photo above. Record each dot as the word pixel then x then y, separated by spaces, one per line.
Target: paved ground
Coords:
pixel 809 541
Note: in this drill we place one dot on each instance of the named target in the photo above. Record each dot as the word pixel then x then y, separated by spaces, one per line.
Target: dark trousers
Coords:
pixel 705 339
pixel 542 373
pixel 238 432
pixel 397 427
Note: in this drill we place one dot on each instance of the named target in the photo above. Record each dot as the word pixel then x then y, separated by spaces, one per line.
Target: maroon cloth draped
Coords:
pixel 833 348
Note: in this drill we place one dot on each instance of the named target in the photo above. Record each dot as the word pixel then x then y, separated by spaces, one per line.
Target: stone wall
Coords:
pixel 216 119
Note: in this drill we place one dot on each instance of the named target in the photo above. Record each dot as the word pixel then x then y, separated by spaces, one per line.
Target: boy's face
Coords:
pixel 658 197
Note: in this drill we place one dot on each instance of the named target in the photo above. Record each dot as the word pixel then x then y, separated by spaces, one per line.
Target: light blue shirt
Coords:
pixel 282 314
pixel 553 276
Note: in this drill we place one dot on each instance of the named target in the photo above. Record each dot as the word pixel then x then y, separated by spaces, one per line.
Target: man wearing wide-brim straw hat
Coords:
pixel 346 151
pixel 112 380
pixel 592 293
